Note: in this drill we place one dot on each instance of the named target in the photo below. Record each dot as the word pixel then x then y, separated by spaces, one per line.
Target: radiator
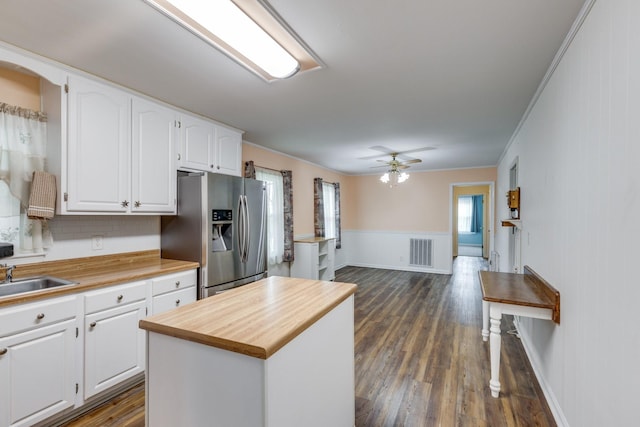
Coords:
pixel 421 252
pixel 494 261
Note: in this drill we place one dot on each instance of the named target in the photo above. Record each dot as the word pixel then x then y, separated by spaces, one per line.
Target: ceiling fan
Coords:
pixel 395 164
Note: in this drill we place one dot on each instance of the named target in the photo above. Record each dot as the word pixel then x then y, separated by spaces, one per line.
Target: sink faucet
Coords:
pixel 8 272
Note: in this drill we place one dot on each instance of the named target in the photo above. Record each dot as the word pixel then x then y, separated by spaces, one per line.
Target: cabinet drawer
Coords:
pixel 32 315
pixel 173 300
pixel 115 296
pixel 172 282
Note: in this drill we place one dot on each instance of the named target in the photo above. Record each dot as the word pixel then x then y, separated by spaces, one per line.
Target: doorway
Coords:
pixel 471 219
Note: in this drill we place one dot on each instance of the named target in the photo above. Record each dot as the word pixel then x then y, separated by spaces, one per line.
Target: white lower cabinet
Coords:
pixel 315 259
pixel 114 345
pixel 37 360
pixel 173 290
pixel 57 353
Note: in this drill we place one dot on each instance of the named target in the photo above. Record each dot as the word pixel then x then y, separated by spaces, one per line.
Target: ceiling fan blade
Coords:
pixel 408 162
pixel 384 151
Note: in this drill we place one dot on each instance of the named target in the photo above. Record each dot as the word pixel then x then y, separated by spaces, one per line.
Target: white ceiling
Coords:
pixel 455 75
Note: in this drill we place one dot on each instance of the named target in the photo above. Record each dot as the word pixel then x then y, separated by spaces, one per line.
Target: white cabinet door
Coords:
pixel 153 175
pixel 209 147
pixel 175 299
pixel 229 151
pixel 114 347
pixel 305 265
pixel 197 144
pixel 37 373
pixel 98 148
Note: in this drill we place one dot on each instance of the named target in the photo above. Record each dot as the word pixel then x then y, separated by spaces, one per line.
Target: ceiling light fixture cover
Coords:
pixel 394 177
pixel 230 28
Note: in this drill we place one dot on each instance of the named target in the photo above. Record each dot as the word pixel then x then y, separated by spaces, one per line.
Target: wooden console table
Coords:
pixel 526 295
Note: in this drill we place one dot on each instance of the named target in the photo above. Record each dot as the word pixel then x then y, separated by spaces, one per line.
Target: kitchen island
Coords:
pixel 277 352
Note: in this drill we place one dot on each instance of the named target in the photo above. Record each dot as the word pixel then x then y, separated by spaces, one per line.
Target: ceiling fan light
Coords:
pixel 385 178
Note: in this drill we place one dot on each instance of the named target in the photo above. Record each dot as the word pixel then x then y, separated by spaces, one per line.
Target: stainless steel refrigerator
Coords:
pixel 221 223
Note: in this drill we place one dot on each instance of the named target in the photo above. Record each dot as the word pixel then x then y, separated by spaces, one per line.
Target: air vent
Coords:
pixel 421 252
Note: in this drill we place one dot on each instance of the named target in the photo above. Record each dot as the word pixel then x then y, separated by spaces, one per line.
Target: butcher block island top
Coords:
pixel 256 319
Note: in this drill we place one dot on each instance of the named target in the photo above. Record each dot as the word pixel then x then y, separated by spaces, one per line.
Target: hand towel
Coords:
pixel 42 200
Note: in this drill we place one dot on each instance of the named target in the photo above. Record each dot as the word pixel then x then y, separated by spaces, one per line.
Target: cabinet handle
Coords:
pixel 120 298
pixel 40 316
pixel 179 156
pixel 124 203
pixel 177 302
pixel 177 283
pixel 3 351
pixel 137 204
pixel 212 166
pixel 92 324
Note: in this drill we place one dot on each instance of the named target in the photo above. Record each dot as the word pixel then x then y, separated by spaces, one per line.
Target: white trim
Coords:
pixel 577 24
pixel 534 361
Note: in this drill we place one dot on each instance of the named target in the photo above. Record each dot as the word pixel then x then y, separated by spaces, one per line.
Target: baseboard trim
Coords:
pixel 400 268
pixel 534 361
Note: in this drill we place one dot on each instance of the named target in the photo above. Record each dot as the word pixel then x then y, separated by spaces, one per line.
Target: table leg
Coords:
pixel 485 320
pixel 494 349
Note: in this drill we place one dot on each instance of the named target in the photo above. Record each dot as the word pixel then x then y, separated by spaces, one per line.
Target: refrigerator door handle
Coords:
pixel 241 237
pixel 247 230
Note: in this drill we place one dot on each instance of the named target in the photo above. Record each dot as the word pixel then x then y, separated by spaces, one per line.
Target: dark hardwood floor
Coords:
pixel 419 357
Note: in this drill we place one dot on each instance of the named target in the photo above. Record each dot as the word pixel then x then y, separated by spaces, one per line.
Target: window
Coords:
pixel 329 200
pixel 275 214
pixel 465 213
pixel 9 217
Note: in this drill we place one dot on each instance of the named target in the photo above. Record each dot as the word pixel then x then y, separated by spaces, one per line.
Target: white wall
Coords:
pixel 390 250
pixel 72 236
pixel 579 154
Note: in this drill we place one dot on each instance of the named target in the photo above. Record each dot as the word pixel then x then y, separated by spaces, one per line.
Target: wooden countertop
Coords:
pixel 314 239
pixel 95 272
pixel 256 319
pixel 528 289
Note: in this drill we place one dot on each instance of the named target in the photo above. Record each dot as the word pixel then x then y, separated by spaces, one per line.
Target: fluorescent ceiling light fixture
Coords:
pixel 246 30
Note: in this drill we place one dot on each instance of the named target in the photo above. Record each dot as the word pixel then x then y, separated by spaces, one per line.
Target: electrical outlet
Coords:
pixel 97 242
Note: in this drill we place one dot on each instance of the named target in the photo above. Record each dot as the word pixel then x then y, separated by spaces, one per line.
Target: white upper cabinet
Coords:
pixel 229 151
pixel 120 153
pixel 153 165
pixel 99 145
pixel 209 147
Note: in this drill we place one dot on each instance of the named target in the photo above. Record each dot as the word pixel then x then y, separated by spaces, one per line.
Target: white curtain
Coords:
pixel 23 136
pixel 329 200
pixel 465 213
pixel 275 214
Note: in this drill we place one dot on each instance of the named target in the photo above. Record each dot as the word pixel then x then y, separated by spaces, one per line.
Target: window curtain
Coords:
pixel 476 214
pixel 23 136
pixel 329 201
pixel 287 184
pixel 318 208
pixel 275 214
pixel 465 208
pixel 338 234
pixel 249 170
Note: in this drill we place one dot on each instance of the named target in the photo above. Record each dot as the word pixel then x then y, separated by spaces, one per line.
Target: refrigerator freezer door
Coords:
pixel 223 192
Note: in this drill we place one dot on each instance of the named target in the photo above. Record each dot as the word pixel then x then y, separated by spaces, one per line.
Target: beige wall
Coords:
pixel 19 89
pixel 303 174
pixel 420 204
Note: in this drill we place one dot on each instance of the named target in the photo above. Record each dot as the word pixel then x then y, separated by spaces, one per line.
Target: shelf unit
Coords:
pixel 314 258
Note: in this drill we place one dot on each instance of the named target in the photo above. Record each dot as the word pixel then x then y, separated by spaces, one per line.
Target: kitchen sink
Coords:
pixel 32 284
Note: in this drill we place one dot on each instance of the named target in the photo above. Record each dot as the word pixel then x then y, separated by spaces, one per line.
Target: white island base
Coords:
pixel 308 382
